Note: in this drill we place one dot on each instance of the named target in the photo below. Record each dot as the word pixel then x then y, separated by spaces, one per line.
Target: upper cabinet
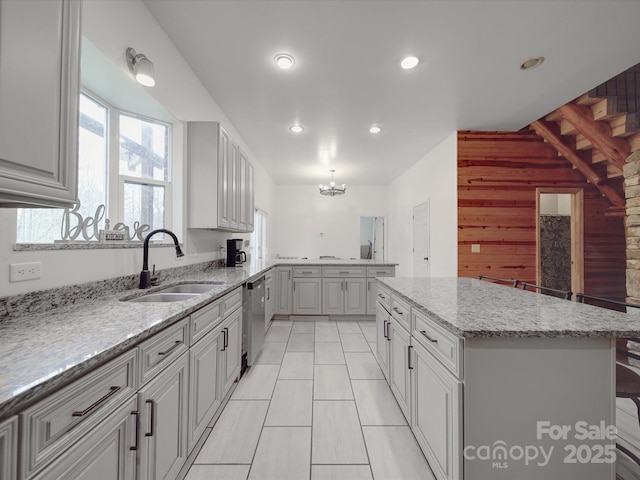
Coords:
pixel 220 180
pixel 39 90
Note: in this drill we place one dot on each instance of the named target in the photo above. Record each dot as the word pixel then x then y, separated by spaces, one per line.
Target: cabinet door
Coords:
pixel 107 453
pixel 241 196
pixel 399 379
pixel 232 350
pixel 270 303
pixel 164 421
pixel 283 291
pixel 39 104
pixel 307 296
pixel 232 193
pixel 371 296
pixel 224 214
pixel 9 449
pixel 332 296
pixel 250 197
pixel 204 386
pixel 437 414
pixel 382 342
pixel 355 296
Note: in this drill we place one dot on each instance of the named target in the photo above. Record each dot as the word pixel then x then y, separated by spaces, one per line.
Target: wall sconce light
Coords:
pixel 141 67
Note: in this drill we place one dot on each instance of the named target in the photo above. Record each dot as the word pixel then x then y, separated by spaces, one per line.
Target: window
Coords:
pixel 132 180
pixel 259 236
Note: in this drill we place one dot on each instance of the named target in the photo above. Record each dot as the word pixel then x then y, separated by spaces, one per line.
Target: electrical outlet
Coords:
pixel 475 248
pixel 19 272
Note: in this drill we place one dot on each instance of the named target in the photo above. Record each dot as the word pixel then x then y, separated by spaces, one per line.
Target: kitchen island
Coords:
pixel 502 383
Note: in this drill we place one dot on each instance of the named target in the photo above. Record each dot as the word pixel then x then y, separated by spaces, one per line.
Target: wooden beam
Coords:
pixel 616 150
pixel 546 131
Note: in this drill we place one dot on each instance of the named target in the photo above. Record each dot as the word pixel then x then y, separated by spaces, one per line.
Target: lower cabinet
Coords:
pixel 204 383
pixel 163 428
pixel 307 296
pixel 372 284
pixel 107 453
pixel 344 296
pixel 437 410
pixel 9 449
pixel 399 378
pixel 231 350
pixel 283 290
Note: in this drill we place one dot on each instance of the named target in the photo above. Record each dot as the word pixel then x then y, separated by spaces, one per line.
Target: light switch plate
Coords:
pixel 475 248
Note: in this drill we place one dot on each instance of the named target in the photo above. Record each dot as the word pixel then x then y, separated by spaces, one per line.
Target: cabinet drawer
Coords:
pixel 307 272
pixel 344 271
pixel 204 320
pixel 161 349
pixel 230 302
pixel 442 344
pixel 52 425
pixel 401 311
pixel 383 296
pixel 381 271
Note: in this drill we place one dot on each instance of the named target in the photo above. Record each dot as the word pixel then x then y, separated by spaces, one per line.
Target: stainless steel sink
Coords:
pixel 191 288
pixel 164 297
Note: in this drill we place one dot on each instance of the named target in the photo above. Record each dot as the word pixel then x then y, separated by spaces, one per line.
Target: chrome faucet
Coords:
pixel 145 274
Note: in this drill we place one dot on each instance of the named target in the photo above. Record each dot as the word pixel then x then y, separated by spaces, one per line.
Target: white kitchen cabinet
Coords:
pixel 270 299
pixel 204 383
pixel 436 419
pixel 383 319
pixel 344 296
pixel 399 378
pixel 217 193
pixel 164 422
pixel 39 104
pixel 108 452
pixel 250 195
pixel 9 449
pixel 231 350
pixel 283 290
pixel 372 284
pixel 307 296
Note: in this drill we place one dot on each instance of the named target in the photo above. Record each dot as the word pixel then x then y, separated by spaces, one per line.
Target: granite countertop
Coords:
pixel 473 308
pixel 43 351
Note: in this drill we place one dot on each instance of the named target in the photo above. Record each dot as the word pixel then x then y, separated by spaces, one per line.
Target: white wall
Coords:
pixel 112 26
pixel 308 224
pixel 433 178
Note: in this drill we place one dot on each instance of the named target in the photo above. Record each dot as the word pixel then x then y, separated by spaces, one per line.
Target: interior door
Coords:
pixel 421 240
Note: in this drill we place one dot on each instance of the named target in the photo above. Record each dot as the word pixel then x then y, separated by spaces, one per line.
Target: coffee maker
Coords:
pixel 235 256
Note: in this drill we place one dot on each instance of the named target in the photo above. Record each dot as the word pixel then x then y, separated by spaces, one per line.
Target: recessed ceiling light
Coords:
pixel 374 129
pixel 285 60
pixel 296 128
pixel 409 62
pixel 531 63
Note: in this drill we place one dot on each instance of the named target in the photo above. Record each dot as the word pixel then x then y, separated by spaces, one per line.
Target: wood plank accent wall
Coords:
pixel 498 173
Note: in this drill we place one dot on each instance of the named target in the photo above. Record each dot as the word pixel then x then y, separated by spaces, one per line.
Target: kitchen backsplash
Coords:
pixel 43 300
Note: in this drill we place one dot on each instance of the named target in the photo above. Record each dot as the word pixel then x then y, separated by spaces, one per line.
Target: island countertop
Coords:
pixel 474 308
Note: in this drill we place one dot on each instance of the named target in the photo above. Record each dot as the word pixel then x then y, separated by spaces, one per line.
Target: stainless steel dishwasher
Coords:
pixel 252 322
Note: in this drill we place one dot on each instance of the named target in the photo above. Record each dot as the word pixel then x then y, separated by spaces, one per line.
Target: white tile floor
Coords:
pixel 315 406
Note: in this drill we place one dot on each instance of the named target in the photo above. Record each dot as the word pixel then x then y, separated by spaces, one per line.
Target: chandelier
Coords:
pixel 332 190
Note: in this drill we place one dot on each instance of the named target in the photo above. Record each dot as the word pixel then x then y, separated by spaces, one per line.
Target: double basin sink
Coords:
pixel 176 293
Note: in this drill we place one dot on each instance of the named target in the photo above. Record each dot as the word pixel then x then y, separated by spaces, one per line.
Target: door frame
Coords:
pixel 577 235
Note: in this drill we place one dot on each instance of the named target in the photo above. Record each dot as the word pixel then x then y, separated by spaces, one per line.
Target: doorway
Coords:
pixel 560 238
pixel 372 238
pixel 421 240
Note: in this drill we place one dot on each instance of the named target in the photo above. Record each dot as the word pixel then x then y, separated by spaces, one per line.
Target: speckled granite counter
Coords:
pixel 42 351
pixel 473 308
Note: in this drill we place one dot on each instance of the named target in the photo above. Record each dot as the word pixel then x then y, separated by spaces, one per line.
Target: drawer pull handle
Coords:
pixel 432 340
pixel 384 329
pixel 136 413
pixel 409 347
pixel 395 309
pixel 226 338
pixel 307 273
pixel 344 273
pixel 171 348
pixel 91 408
pixel 151 418
pixel 382 296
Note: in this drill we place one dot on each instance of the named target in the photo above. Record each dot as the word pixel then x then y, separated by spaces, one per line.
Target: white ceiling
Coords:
pixel 347 75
